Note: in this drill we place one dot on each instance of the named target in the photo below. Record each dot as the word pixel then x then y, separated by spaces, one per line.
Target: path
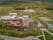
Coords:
pixel 14 38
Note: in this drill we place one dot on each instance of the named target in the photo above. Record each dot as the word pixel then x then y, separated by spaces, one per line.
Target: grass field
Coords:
pixel 50 22
pixel 48 36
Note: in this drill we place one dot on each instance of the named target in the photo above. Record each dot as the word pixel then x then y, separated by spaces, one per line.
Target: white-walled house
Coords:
pixel 10 16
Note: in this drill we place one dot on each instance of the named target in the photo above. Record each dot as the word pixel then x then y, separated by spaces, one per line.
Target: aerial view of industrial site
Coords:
pixel 26 19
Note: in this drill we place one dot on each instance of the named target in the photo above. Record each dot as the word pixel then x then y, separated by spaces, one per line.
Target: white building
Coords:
pixel 11 16
pixel 26 20
pixel 29 10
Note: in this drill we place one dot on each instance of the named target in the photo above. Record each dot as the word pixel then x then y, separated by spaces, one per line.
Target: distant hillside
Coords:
pixel 17 1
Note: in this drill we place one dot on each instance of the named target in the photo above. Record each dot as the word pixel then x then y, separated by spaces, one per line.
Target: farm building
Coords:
pixel 10 16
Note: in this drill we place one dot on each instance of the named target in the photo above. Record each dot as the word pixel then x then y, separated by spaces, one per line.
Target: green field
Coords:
pixel 50 22
pixel 48 36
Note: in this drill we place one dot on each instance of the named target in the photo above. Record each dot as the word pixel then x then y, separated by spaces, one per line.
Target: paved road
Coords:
pixel 46 19
pixel 50 26
pixel 14 38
